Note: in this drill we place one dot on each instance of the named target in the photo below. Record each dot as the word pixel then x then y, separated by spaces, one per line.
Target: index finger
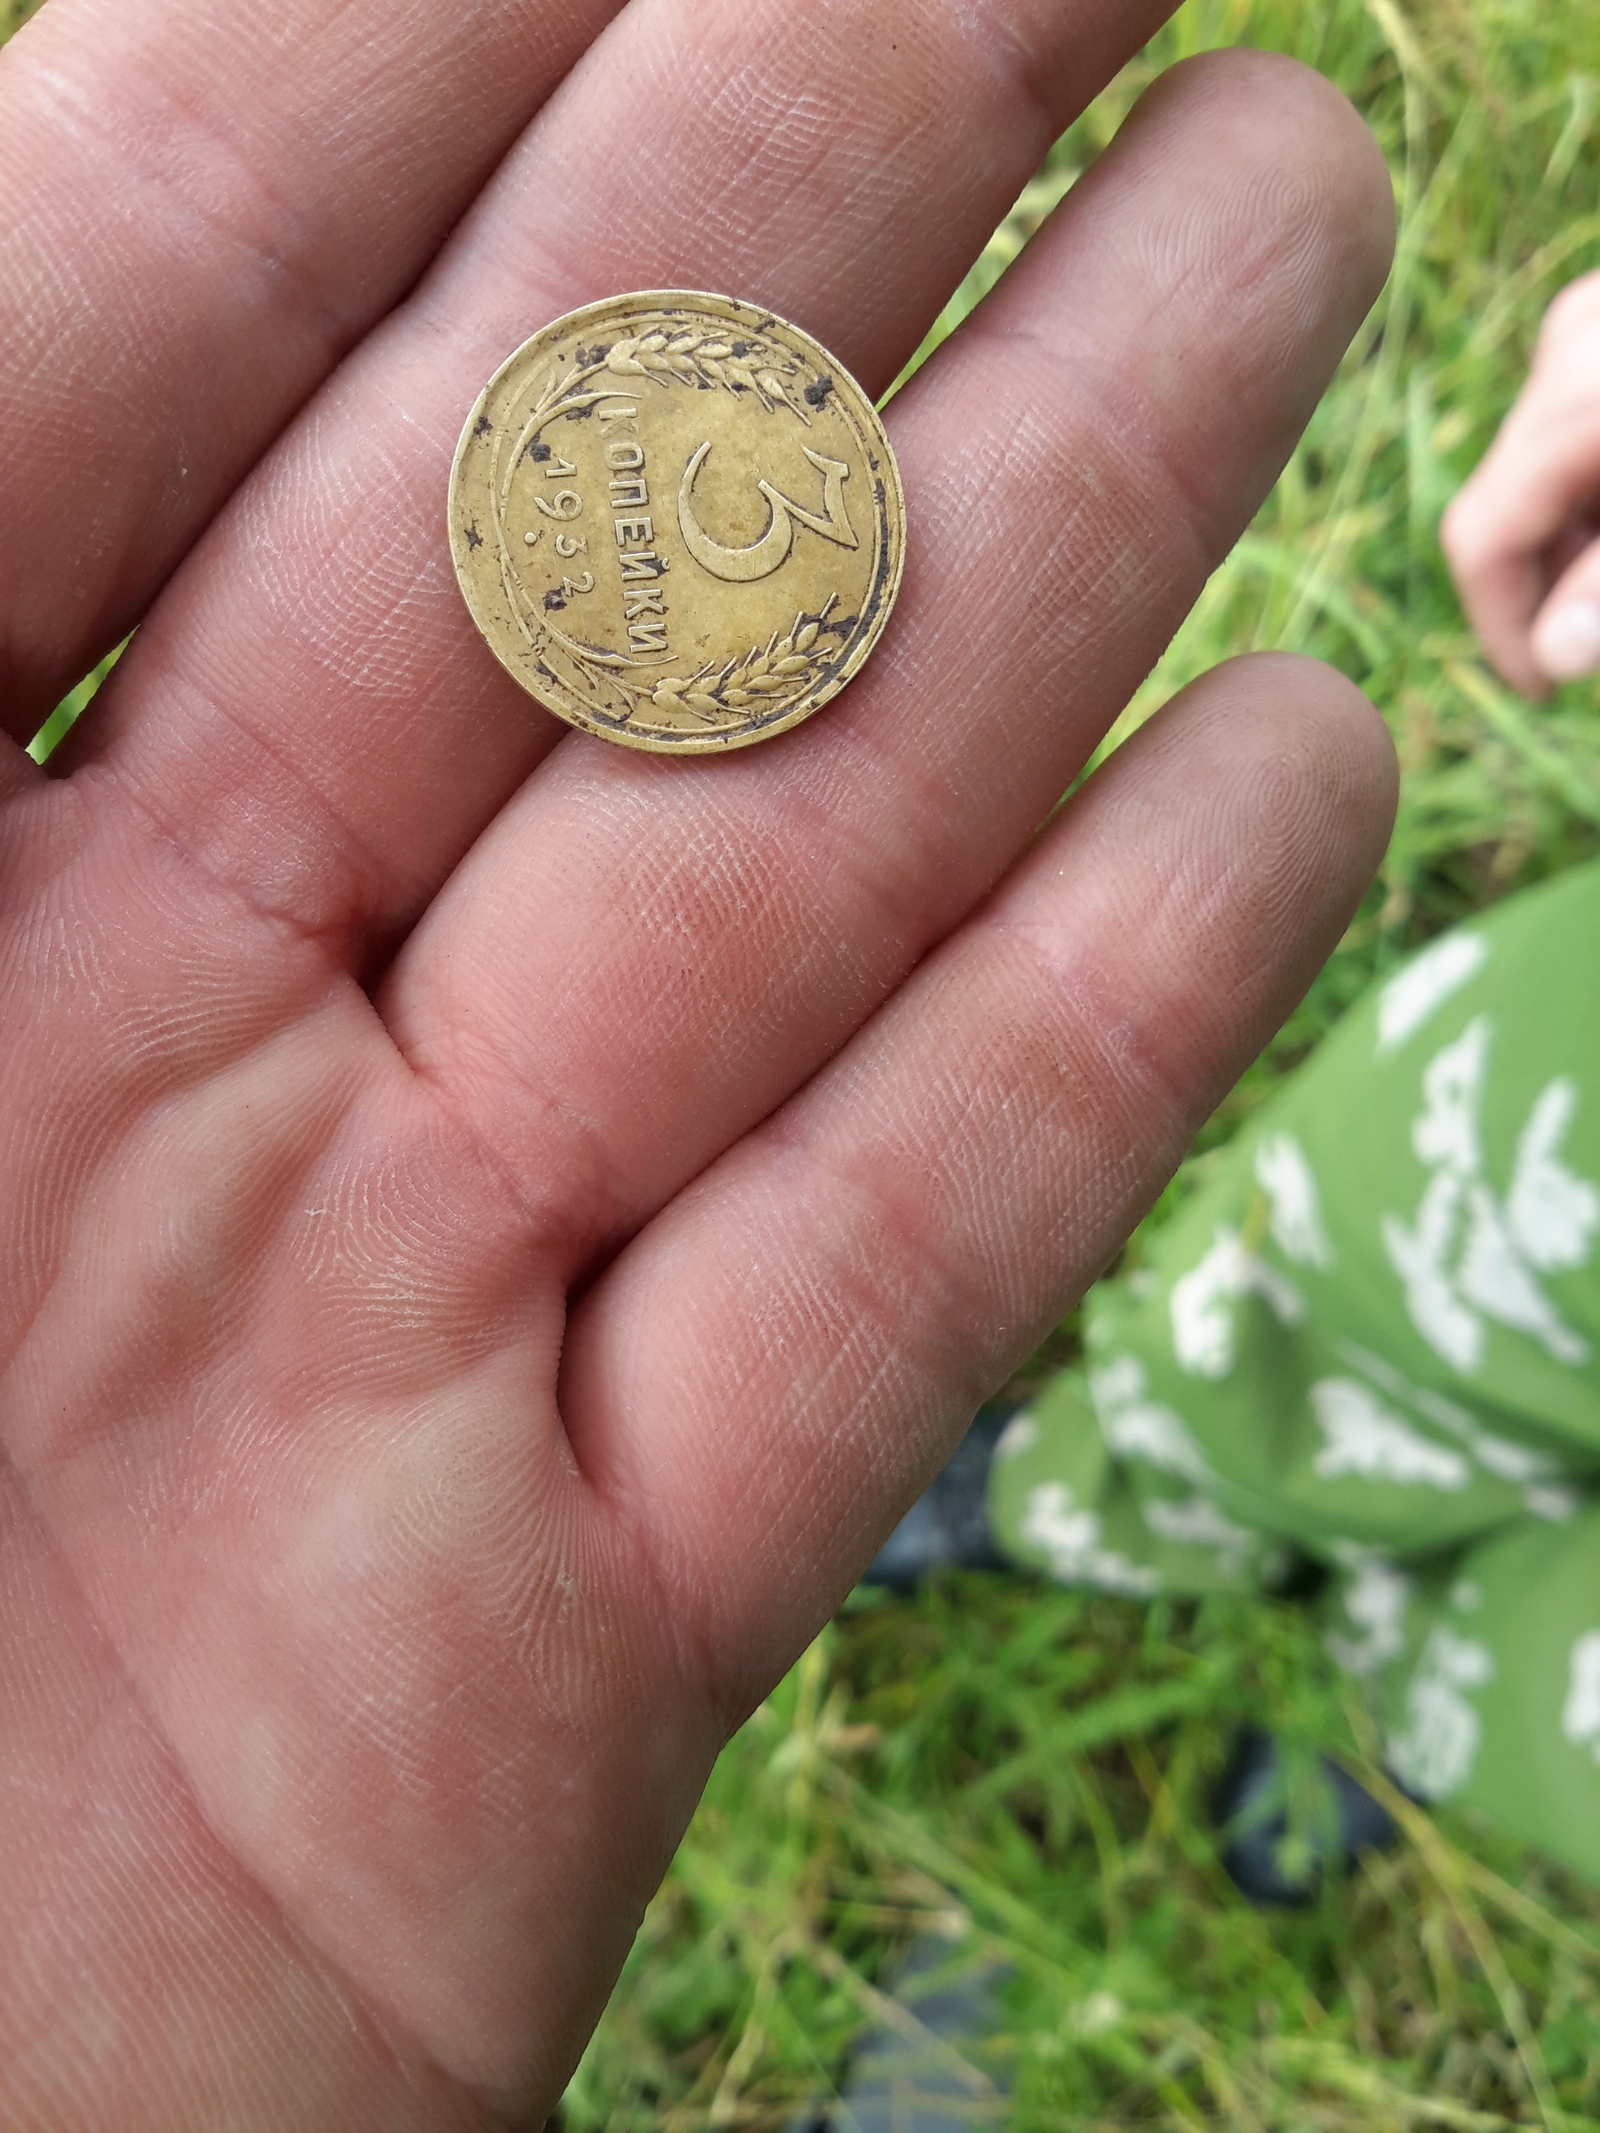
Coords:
pixel 205 207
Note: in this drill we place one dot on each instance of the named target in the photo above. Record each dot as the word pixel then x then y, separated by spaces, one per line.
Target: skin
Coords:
pixel 495 1227
pixel 1521 537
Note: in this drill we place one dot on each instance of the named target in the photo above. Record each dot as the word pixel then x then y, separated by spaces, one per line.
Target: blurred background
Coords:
pixel 1010 1783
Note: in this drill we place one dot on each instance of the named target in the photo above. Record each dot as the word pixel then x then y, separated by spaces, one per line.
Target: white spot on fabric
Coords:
pixel 1070 1539
pixel 1555 1504
pixel 1516 1463
pixel 1137 1427
pixel 1419 1255
pixel 1202 1301
pixel 1433 1752
pixel 1371 1441
pixel 1286 1177
pixel 1551 1212
pixel 1020 1435
pixel 1195 1522
pixel 1445 1137
pixel 1375 1604
pixel 1117 1383
pixel 1580 1714
pixel 1466 1258
pixel 1525 1468
pixel 1427 981
pixel 1494 1276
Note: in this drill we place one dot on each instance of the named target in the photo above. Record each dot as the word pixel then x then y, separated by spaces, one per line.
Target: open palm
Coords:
pixel 494 1227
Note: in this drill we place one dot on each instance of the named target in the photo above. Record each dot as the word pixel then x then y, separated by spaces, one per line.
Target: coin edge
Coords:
pixel 695 744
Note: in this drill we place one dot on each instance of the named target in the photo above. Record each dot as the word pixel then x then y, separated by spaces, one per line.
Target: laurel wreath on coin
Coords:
pixel 782 667
pixel 765 674
pixel 689 358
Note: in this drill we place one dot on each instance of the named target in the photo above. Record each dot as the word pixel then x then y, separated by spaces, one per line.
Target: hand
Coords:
pixel 1523 536
pixel 496 1227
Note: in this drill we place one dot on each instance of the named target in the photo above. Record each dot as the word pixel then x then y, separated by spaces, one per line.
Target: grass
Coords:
pixel 1021 1776
pixel 1018 1774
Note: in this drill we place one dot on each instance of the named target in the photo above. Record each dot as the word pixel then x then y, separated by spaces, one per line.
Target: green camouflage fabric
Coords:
pixel 1372 1334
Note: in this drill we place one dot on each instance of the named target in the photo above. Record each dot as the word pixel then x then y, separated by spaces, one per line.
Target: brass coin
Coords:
pixel 677 521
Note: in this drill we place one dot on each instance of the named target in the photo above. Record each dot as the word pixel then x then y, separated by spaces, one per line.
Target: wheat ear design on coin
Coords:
pixel 688 358
pixel 783 666
pixel 692 357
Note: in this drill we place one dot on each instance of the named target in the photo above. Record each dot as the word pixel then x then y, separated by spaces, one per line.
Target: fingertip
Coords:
pixel 1498 583
pixel 1292 117
pixel 1307 765
pixel 1353 772
pixel 1276 770
pixel 1566 637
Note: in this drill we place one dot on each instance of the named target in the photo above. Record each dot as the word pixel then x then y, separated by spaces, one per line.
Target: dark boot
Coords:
pixel 896 2085
pixel 948 1525
pixel 1256 1831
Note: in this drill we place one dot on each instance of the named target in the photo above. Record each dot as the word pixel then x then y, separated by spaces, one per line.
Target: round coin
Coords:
pixel 677 521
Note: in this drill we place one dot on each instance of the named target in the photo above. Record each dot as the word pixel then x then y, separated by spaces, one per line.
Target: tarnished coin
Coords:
pixel 677 521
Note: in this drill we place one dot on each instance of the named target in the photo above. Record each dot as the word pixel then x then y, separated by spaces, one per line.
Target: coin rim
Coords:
pixel 738 310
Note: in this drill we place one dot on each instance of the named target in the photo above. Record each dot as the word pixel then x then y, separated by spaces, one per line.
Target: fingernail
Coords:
pixel 1568 641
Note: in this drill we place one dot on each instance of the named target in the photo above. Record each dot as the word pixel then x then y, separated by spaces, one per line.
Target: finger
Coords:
pixel 1499 532
pixel 205 206
pixel 1506 533
pixel 1566 633
pixel 641 959
pixel 842 162
pixel 1501 592
pixel 776 1366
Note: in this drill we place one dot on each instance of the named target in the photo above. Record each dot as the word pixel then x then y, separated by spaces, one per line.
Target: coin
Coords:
pixel 677 521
